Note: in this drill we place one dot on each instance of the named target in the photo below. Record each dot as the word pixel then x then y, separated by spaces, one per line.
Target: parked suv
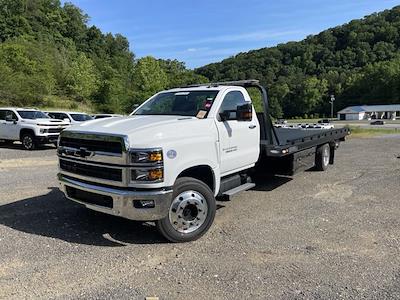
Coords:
pixel 71 117
pixel 30 126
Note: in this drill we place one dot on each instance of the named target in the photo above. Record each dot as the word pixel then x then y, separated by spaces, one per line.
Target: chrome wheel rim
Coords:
pixel 325 156
pixel 28 142
pixel 188 211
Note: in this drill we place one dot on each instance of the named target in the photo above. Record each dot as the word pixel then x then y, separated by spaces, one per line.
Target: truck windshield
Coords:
pixel 81 117
pixel 32 114
pixel 190 103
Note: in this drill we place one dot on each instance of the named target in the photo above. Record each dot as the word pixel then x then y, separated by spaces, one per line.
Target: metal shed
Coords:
pixel 362 112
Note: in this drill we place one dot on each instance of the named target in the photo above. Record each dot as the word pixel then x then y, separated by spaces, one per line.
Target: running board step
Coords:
pixel 240 188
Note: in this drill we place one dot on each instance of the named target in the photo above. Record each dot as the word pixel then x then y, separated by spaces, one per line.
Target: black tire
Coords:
pixel 322 157
pixel 182 186
pixel 28 141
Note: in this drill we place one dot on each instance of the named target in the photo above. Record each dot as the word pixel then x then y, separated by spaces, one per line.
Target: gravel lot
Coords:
pixel 317 236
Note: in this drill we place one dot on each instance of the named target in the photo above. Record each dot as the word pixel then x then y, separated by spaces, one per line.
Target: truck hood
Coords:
pixel 145 131
pixel 45 122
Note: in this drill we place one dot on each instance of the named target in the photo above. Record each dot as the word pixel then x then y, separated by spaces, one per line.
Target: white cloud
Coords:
pixel 255 36
pixel 201 49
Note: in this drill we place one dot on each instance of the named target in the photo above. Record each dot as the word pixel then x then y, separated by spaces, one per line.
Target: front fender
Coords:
pixel 201 152
pixel 198 163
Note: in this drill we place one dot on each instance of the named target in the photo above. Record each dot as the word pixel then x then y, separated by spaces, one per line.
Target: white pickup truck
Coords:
pixel 178 151
pixel 30 126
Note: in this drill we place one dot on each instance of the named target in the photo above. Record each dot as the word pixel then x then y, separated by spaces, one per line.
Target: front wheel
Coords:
pixel 191 212
pixel 28 141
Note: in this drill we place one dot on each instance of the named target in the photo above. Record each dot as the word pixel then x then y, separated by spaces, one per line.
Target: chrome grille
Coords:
pixel 102 172
pixel 92 145
pixel 55 130
pixel 98 157
pixel 103 149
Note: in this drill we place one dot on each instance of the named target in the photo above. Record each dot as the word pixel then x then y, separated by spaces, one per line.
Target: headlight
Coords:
pixel 153 156
pixel 147 165
pixel 43 130
pixel 147 175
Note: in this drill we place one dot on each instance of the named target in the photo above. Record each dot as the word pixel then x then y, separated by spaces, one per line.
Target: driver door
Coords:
pixel 11 127
pixel 3 124
pixel 238 140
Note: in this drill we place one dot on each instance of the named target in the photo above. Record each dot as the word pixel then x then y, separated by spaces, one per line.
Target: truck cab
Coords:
pixel 30 126
pixel 169 160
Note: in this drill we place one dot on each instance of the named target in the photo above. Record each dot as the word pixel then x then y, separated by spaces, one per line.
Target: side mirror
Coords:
pixel 225 115
pixel 10 119
pixel 244 112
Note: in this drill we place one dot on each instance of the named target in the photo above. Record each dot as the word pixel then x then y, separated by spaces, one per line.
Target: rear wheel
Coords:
pixel 322 157
pixel 28 141
pixel 191 212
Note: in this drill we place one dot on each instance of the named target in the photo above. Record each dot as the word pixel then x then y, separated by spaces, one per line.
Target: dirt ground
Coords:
pixel 328 235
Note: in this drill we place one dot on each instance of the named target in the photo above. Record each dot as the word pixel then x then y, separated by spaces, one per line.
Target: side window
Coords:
pixel 10 115
pixel 2 115
pixel 230 103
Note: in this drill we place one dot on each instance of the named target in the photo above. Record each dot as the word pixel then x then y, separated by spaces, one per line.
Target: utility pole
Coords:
pixel 331 102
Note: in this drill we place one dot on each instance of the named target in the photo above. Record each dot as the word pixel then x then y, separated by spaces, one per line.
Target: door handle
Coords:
pixel 252 126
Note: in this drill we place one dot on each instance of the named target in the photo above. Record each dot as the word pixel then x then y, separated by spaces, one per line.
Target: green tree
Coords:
pixel 26 72
pixel 82 80
pixel 311 94
pixel 148 79
pixel 335 59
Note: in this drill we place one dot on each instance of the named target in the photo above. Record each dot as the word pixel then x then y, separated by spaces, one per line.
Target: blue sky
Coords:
pixel 205 31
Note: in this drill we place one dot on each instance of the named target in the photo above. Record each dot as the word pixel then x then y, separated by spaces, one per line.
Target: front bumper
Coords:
pixel 122 202
pixel 44 139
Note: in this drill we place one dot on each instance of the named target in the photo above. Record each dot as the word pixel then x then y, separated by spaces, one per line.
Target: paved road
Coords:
pixel 319 236
pixel 367 125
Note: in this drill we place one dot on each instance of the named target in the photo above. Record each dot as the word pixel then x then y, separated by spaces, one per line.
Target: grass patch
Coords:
pixel 303 121
pixel 370 132
pixel 49 103
pixel 66 104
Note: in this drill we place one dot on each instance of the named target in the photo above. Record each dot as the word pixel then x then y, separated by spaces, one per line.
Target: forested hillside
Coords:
pixel 49 56
pixel 358 62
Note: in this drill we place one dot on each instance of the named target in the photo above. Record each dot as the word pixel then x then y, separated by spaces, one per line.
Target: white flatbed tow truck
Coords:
pixel 169 160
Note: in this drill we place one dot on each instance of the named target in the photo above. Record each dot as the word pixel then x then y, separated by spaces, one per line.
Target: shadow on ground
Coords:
pixel 52 215
pixel 268 182
pixel 18 146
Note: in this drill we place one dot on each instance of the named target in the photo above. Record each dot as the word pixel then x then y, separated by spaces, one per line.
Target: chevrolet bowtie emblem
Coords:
pixel 82 152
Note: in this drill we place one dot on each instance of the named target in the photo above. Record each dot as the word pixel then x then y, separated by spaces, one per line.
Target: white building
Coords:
pixel 366 112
